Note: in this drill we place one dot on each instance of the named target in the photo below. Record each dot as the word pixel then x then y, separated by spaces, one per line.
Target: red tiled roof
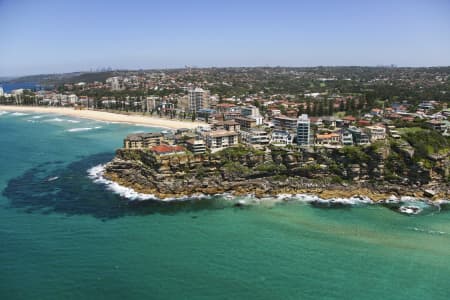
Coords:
pixel 167 149
pixel 363 122
pixel 349 118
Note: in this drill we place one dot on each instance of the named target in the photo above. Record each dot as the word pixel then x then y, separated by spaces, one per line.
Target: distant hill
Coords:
pixel 57 79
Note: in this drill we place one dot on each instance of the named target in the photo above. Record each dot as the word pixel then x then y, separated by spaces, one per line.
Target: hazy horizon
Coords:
pixel 218 67
pixel 49 36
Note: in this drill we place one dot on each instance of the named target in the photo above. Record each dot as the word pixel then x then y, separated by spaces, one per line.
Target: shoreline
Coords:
pixel 328 198
pixel 104 116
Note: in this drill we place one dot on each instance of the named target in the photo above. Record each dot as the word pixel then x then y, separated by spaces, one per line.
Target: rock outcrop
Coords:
pixel 377 172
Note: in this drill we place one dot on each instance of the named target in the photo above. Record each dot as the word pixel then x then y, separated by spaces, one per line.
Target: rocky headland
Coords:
pixel 378 172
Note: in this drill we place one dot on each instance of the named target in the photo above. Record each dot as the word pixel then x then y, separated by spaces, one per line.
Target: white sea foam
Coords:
pixel 428 231
pixel 38 117
pixel 79 129
pixel 55 120
pixel 83 129
pixel 73 121
pixel 3 113
pixel 18 114
pixel 96 174
pixel 410 210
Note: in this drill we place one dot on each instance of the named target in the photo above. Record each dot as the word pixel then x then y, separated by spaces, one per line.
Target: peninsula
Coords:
pixel 191 163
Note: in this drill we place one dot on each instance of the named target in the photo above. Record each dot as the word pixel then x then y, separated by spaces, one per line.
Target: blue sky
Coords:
pixel 49 36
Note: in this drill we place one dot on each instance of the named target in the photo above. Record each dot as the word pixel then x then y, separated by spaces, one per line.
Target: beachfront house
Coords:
pixel 143 140
pixel 220 139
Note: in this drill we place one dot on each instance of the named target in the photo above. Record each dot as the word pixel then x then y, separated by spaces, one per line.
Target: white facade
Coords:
pixel 253 113
pixel 376 133
pixel 346 138
pixel 254 137
pixel 221 139
pixel 281 138
pixel 303 130
pixel 197 99
pixel 1 92
pixel 72 99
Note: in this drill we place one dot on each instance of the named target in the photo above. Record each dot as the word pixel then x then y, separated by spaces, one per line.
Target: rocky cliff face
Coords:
pixel 376 171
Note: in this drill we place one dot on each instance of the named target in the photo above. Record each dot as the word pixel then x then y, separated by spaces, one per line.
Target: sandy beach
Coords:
pixel 105 116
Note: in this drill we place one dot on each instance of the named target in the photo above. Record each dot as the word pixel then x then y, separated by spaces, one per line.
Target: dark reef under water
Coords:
pixel 52 187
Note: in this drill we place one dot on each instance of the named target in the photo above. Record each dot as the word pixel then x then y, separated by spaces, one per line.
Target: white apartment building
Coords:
pixel 254 137
pixel 303 130
pixel 253 113
pixel 220 139
pixel 281 138
pixel 197 99
pixel 376 133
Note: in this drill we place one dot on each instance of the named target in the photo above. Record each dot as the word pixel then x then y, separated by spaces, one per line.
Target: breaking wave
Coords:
pixel 55 120
pixel 83 129
pixel 405 205
pixel 19 114
pixel 96 174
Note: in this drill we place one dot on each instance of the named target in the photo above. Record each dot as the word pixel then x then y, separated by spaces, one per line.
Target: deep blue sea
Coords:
pixel 8 87
pixel 64 237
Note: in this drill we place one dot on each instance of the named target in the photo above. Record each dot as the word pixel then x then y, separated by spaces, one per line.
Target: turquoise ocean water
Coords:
pixel 64 237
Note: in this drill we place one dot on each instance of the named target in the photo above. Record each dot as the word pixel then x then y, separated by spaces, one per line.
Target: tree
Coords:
pixel 320 109
pixel 308 107
pixel 330 107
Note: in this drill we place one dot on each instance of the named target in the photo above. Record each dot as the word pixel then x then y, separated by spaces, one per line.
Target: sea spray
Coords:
pixel 405 204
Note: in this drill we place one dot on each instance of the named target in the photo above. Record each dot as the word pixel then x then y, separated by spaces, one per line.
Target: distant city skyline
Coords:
pixel 50 36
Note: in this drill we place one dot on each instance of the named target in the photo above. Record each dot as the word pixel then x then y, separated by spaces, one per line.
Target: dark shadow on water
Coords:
pixel 53 188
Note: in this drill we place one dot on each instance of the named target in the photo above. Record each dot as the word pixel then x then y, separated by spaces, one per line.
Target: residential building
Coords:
pixel 226 107
pixel 2 93
pixel 198 99
pixel 142 140
pixel 437 125
pixel 285 123
pixel 231 115
pixel 376 133
pixel 220 139
pixel 196 146
pixel 303 130
pixel 230 125
pixel 254 137
pixel 329 121
pixel 346 138
pixel 359 137
pixel 245 123
pixel 426 105
pixel 164 149
pixel 72 99
pixel 115 83
pixel 205 113
pixel 281 138
pixel 328 139
pixel 150 103
pixel 252 112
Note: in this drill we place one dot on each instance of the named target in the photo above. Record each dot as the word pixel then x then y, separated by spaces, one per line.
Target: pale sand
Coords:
pixel 105 116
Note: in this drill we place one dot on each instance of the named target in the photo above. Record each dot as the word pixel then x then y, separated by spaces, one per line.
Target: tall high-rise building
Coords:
pixel 197 99
pixel 303 130
pixel 1 91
